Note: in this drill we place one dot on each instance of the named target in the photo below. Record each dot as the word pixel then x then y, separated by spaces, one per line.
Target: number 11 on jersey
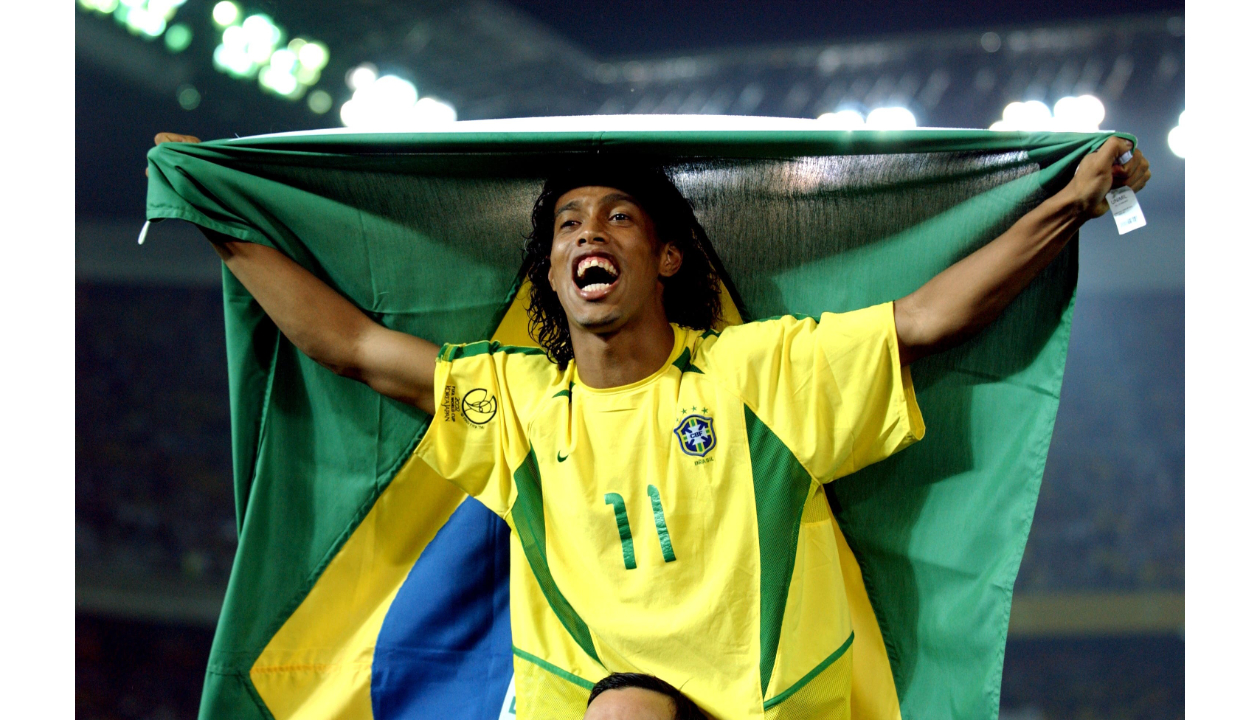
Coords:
pixel 623 526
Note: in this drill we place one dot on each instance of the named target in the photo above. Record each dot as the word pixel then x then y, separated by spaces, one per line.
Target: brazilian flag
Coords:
pixel 367 587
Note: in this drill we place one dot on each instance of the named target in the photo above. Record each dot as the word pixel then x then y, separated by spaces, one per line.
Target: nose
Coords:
pixel 591 234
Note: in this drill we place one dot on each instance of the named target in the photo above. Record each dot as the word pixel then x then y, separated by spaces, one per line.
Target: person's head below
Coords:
pixel 615 245
pixel 632 696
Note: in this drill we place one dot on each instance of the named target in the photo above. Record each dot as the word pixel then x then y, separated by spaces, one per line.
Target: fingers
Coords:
pixel 1113 148
pixel 1137 171
pixel 164 137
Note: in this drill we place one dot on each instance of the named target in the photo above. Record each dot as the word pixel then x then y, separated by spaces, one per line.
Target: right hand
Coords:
pixel 165 137
pixel 1099 172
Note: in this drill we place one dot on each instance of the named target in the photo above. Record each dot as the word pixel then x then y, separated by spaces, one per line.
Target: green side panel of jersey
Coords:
pixel 531 528
pixel 781 486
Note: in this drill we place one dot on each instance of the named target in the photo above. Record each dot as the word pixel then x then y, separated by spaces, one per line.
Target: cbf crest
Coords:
pixel 695 435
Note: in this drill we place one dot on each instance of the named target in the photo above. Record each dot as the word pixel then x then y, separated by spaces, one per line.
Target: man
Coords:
pixel 663 477
pixel 633 696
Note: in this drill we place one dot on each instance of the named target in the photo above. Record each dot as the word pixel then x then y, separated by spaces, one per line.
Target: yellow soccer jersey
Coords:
pixel 677 526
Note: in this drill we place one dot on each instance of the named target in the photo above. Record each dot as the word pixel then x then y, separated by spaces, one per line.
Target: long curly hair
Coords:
pixel 693 295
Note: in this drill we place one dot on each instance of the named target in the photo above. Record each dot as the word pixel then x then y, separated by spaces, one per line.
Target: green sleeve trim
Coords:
pixel 623 528
pixel 531 530
pixel 781 485
pixel 485 347
pixel 809 675
pixel 795 316
pixel 662 532
pixel 552 668
pixel 683 363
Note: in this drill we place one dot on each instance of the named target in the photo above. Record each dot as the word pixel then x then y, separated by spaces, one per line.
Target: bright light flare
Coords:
pixel 390 102
pixel 146 22
pixel 361 77
pixel 283 61
pixel 280 81
pixel 225 13
pixel 891 118
pixel 261 30
pixel 1070 114
pixel 843 120
pixel 430 111
pixel 1177 138
pixel 313 55
pixel 233 60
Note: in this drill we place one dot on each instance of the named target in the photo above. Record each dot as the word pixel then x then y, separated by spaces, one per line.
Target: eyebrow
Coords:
pixel 616 197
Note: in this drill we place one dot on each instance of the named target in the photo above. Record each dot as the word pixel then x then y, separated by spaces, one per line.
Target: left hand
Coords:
pixel 1098 174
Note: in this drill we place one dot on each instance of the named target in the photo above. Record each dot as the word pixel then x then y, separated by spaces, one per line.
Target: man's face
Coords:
pixel 606 260
pixel 630 704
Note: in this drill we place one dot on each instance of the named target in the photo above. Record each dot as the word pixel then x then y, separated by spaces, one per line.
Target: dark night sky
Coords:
pixel 611 28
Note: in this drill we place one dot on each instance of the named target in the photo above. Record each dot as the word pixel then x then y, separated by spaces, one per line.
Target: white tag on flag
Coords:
pixel 1125 209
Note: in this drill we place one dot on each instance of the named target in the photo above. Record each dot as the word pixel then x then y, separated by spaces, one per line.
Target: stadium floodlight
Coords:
pixel 431 111
pixel 256 44
pixel 165 8
pixel 1070 114
pixel 361 77
pixel 235 38
pixel 843 120
pixel 1027 116
pixel 106 7
pixel 1176 138
pixel 232 60
pixel 279 81
pixel 178 37
pixel 313 55
pixel 225 13
pixel 391 91
pixel 284 61
pixel 1078 114
pixel 262 37
pixel 390 102
pixel 261 30
pixel 384 102
pixel 148 23
pixel 891 118
pixel 1037 115
pixel 1091 110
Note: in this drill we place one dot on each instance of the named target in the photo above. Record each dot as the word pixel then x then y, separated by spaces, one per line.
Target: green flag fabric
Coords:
pixel 424 232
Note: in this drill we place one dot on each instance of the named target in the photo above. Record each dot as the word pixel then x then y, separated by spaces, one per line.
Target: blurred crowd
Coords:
pixel 160 675
pixel 153 473
pixel 1111 515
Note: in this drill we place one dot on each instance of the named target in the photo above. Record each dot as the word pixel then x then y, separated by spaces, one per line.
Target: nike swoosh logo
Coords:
pixel 561 458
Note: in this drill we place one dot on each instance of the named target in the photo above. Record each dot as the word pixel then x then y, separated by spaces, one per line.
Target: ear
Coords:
pixel 671 260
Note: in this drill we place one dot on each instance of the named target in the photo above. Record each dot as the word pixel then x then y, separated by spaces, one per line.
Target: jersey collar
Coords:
pixel 680 343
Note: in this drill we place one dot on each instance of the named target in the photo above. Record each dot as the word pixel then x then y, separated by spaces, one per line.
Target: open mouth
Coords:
pixel 595 276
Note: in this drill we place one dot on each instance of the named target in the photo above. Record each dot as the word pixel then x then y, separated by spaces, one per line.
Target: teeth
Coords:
pixel 596 287
pixel 595 261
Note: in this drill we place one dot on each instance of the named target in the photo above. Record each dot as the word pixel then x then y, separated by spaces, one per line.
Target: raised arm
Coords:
pixel 326 326
pixel 329 328
pixel 971 293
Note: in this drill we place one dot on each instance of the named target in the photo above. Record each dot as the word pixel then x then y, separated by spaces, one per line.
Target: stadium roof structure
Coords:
pixel 487 60
pixel 490 61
